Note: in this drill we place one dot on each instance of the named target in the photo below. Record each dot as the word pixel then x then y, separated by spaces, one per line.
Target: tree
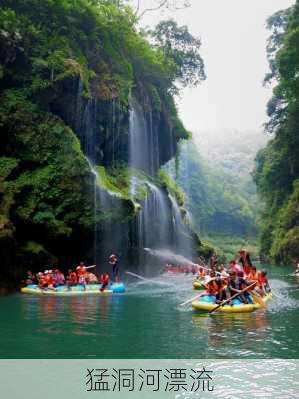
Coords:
pixel 171 5
pixel 277 166
pixel 182 48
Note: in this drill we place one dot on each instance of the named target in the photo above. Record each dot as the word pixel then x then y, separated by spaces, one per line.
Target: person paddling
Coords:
pixel 237 285
pixel 263 283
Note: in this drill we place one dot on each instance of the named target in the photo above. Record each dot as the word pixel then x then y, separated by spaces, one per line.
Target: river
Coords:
pixel 147 322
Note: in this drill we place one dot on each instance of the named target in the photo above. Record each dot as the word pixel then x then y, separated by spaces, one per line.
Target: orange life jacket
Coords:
pixel 253 276
pixel 212 288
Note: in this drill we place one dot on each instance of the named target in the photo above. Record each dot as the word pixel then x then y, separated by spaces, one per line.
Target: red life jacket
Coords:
pixel 262 280
pixel 81 270
pixel 104 279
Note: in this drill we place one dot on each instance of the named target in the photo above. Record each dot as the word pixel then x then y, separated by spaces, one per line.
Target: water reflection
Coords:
pixel 246 331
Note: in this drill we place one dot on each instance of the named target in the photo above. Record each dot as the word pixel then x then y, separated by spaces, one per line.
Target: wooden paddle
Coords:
pixel 190 300
pixel 234 296
pixel 90 267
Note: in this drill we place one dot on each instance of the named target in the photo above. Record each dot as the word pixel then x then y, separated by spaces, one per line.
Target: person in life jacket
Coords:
pixel 223 292
pixel 50 280
pixel 212 287
pixel 236 284
pixel 245 261
pixel 71 279
pixel 59 277
pixel 201 273
pixel 252 277
pixel 92 278
pixel 263 284
pixel 42 281
pixel 81 272
pixel 104 280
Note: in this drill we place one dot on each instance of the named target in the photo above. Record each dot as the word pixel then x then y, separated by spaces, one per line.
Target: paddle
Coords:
pixel 234 296
pixel 146 279
pixel 190 300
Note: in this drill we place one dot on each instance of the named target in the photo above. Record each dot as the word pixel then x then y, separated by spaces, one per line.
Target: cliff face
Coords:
pixel 86 121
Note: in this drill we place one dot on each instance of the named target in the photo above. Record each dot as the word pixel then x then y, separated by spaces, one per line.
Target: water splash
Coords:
pixel 169 256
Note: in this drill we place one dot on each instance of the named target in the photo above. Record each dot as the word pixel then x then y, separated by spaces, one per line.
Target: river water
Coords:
pixel 147 322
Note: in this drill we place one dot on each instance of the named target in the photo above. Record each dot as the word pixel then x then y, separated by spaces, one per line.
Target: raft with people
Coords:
pixel 240 288
pixel 113 288
pixel 207 303
pixel 77 282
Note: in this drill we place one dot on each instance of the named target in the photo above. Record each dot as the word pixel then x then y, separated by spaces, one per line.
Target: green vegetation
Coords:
pixel 227 246
pixel 277 166
pixel 218 202
pixel 221 199
pixel 117 181
pixel 62 63
pixel 172 187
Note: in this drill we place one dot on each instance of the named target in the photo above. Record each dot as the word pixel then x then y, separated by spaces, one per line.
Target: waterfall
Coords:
pixel 154 219
pixel 143 141
pixel 181 237
pixel 159 222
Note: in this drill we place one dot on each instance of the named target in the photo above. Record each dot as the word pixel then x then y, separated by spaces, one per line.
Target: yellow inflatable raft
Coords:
pixel 198 284
pixel 203 306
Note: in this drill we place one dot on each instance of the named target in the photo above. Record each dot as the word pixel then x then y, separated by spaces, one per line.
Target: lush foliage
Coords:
pixel 182 52
pixel 277 166
pixel 220 196
pixel 58 57
pixel 218 202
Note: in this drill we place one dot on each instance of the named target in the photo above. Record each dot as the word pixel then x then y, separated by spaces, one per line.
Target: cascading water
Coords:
pixel 181 238
pixel 159 221
pixel 86 127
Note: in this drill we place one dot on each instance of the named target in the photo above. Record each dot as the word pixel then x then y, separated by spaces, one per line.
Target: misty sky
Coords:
pixel 234 38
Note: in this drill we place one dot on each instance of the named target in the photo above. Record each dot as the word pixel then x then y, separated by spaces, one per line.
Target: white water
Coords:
pixel 169 256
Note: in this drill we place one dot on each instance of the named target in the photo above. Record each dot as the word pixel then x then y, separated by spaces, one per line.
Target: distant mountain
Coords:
pixel 215 172
pixel 233 151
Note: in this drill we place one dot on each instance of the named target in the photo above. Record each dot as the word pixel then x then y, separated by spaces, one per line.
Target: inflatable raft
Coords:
pixel 114 288
pixel 198 284
pixel 207 303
